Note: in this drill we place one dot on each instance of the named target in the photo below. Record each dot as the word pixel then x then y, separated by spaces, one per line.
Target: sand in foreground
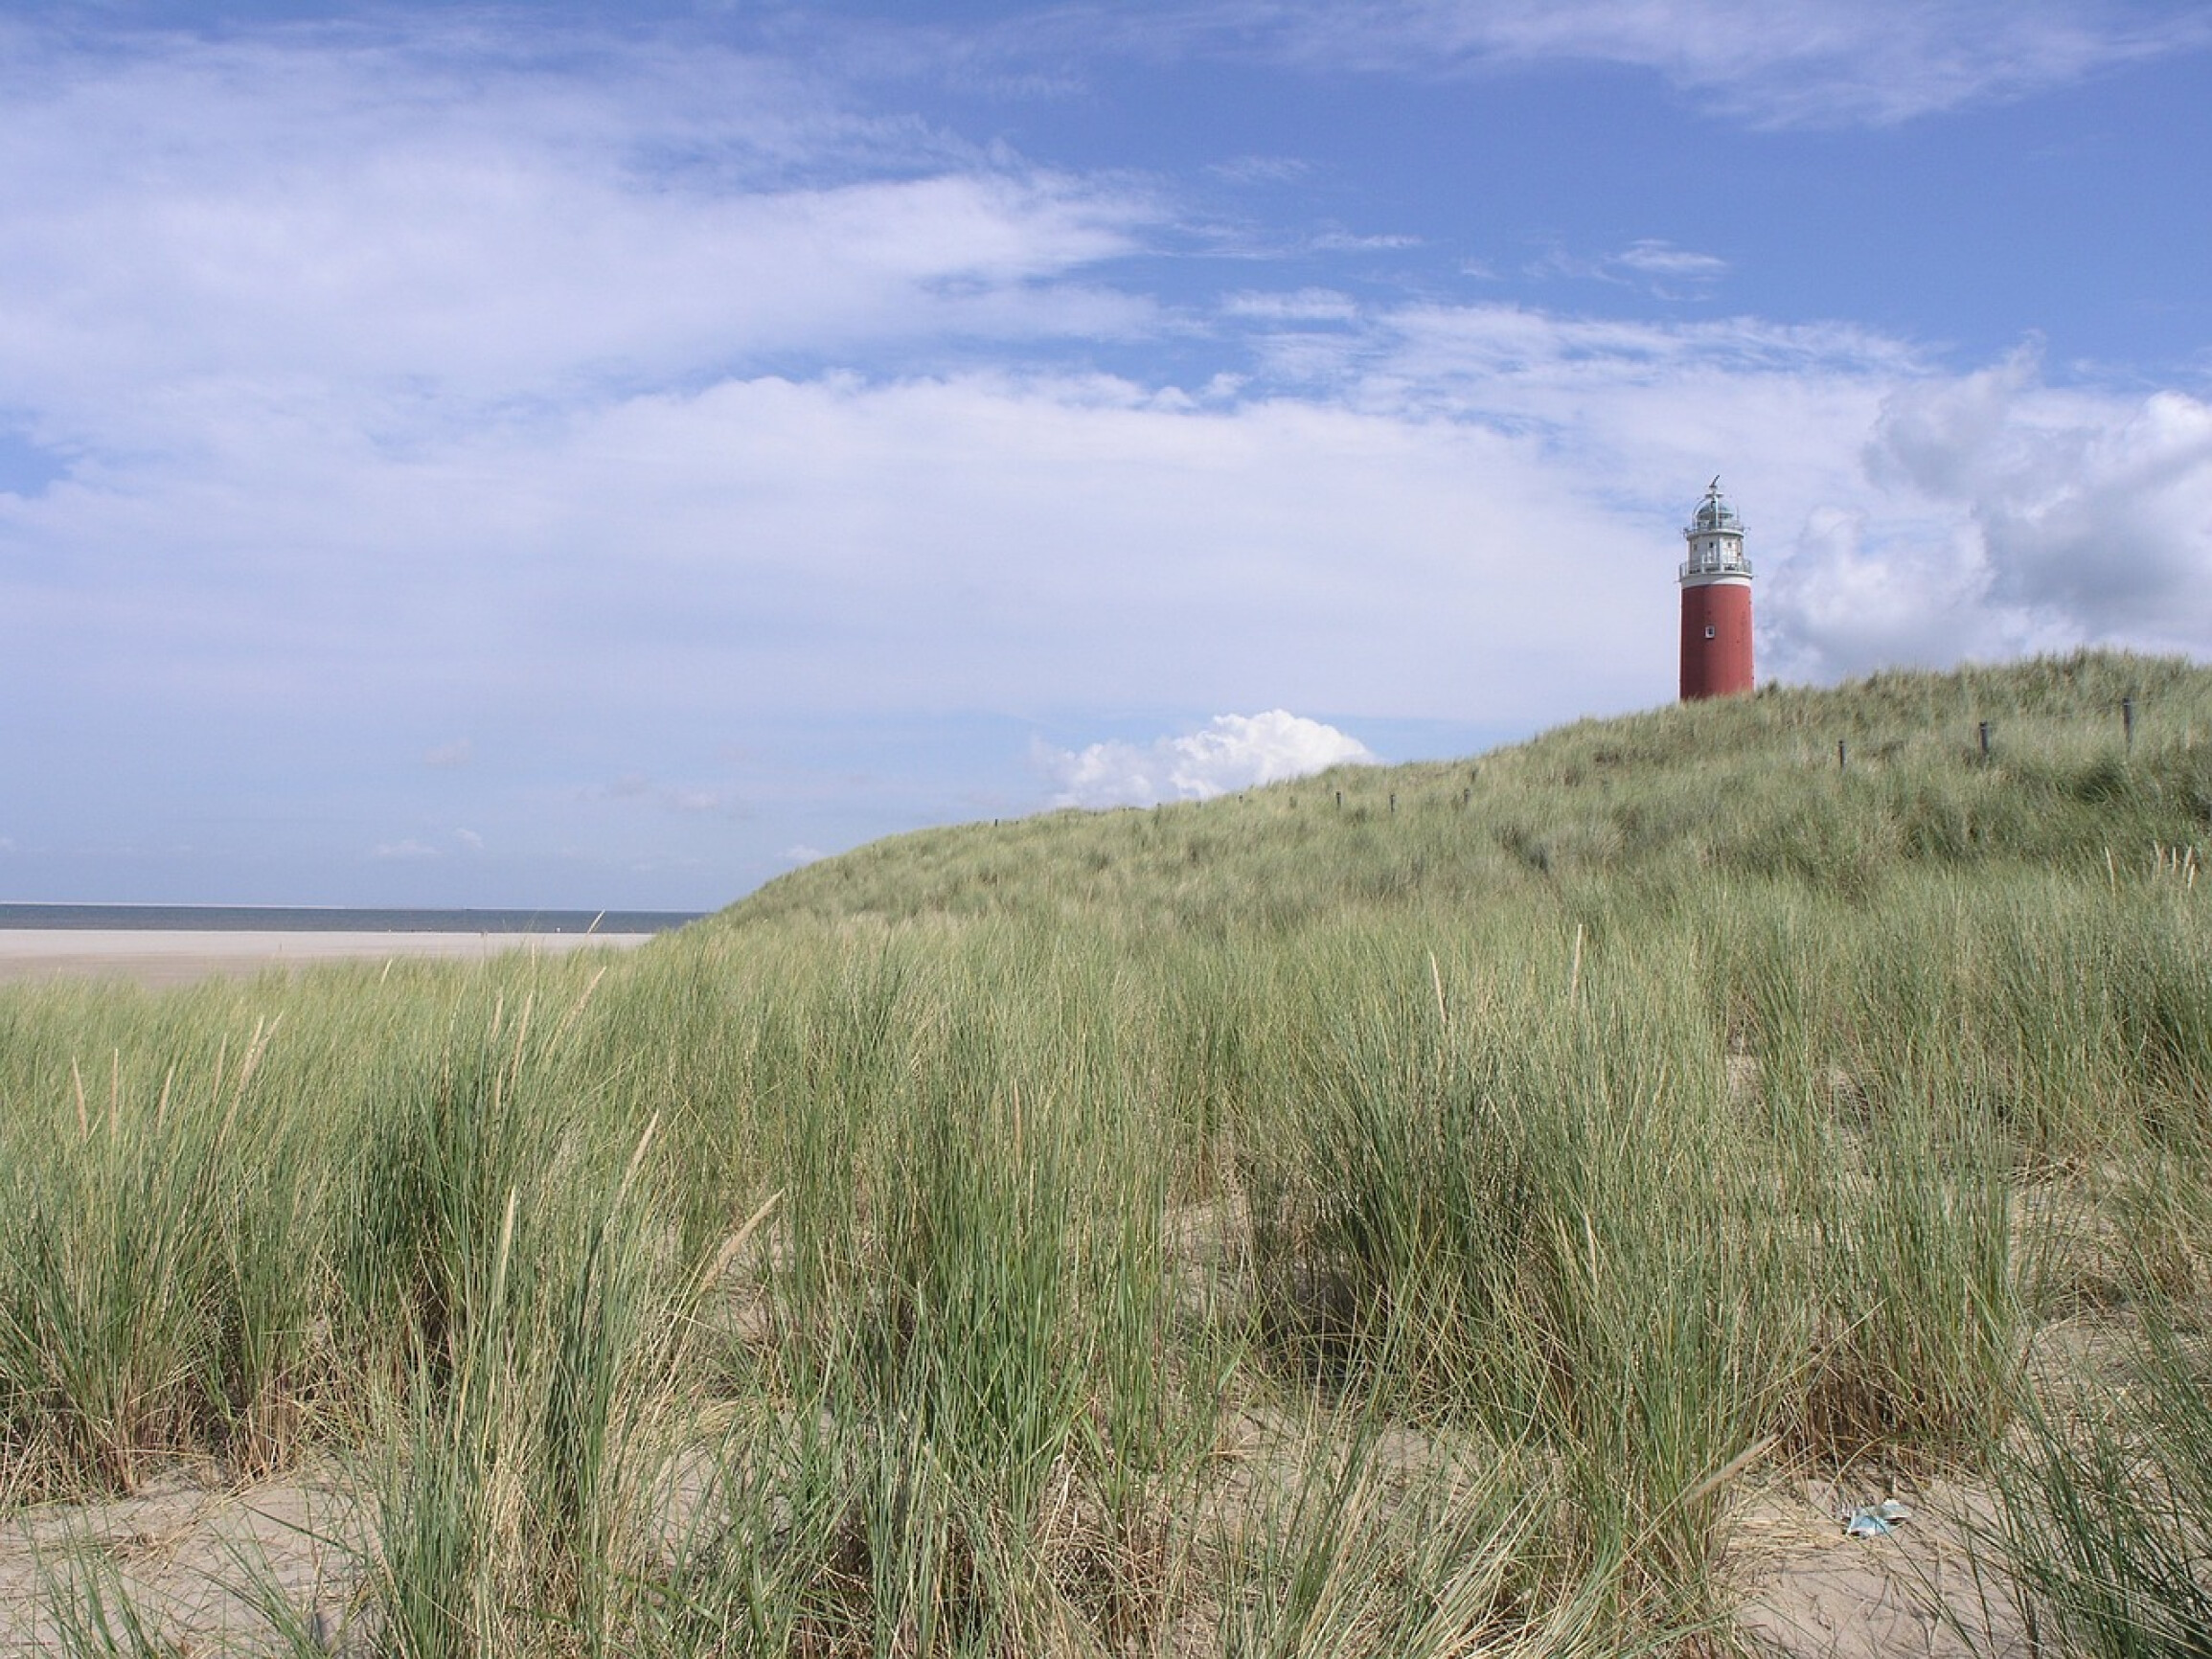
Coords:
pixel 163 958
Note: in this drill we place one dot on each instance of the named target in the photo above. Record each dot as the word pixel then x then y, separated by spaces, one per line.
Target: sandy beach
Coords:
pixel 167 957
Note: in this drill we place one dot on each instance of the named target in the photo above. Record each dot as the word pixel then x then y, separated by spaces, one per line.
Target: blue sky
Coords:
pixel 578 455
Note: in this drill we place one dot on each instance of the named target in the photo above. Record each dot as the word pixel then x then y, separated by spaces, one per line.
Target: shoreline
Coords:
pixel 156 958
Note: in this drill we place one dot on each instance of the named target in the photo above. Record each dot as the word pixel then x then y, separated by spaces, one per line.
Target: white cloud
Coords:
pixel 697 801
pixel 1670 268
pixel 745 542
pixel 220 228
pixel 1657 266
pixel 688 800
pixel 2083 514
pixel 1772 62
pixel 1232 752
pixel 385 390
pixel 413 850
pixel 702 557
pixel 801 853
pixel 1262 170
pixel 1665 259
pixel 1343 242
pixel 1850 595
pixel 1305 306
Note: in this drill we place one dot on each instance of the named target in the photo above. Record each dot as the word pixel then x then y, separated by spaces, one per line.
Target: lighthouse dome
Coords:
pixel 1715 513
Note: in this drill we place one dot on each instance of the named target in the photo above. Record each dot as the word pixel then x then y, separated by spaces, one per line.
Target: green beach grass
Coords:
pixel 1395 1213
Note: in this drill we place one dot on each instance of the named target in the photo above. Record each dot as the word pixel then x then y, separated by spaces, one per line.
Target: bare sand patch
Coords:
pixel 1811 1592
pixel 195 1560
pixel 161 957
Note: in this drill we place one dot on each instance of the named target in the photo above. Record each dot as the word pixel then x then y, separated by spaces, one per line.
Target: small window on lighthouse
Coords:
pixel 1708 630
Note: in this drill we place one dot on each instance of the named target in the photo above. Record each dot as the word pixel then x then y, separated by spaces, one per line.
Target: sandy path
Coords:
pixel 164 958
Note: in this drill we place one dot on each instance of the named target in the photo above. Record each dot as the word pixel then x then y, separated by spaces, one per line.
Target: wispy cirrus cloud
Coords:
pixel 420 850
pixel 427 223
pixel 1302 305
pixel 686 800
pixel 1662 258
pixel 1803 62
pixel 1820 63
pixel 1339 240
pixel 1651 263
pixel 1261 170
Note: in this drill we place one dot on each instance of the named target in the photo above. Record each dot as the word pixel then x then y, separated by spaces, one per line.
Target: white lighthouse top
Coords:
pixel 1715 513
pixel 1716 539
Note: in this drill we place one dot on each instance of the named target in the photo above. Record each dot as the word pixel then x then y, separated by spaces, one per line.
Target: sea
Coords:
pixel 322 918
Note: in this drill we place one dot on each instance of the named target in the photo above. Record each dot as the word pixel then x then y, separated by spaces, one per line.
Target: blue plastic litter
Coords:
pixel 1874 1520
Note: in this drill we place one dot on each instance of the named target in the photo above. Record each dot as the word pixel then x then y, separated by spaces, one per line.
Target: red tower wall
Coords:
pixel 1716 640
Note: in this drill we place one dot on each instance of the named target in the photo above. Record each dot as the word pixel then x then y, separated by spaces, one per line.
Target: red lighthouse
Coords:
pixel 1716 602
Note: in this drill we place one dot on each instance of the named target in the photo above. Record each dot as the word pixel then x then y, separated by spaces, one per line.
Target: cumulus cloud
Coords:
pixel 1232 752
pixel 1852 592
pixel 2087 509
pixel 1998 514
pixel 457 752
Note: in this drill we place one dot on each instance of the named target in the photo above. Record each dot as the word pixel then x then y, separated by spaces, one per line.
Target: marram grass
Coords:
pixel 1392 1212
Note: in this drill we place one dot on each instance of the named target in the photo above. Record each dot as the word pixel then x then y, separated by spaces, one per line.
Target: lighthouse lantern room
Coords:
pixel 1716 602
